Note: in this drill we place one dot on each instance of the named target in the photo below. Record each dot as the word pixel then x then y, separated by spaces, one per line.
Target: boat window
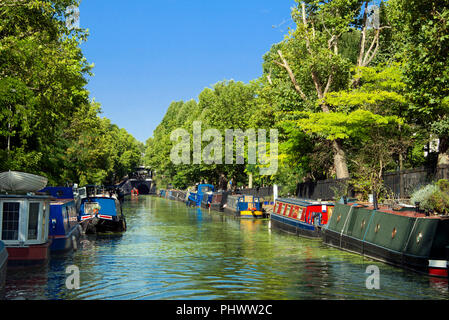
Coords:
pixel 82 192
pixel 44 227
pixel 67 217
pixel 10 221
pixel 33 221
pixel 91 207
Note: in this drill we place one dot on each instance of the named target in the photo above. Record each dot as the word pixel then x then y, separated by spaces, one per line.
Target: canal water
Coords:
pixel 171 252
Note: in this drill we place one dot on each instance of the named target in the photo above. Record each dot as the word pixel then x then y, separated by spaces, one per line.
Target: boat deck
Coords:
pixel 406 213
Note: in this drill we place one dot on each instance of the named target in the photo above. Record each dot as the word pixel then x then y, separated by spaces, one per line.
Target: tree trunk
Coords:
pixel 341 166
pixel 443 156
pixel 250 180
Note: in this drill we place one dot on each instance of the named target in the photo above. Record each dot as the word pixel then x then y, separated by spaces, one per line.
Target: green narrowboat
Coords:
pixel 404 238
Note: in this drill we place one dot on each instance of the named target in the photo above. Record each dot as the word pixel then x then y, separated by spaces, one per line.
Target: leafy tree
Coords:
pixel 423 28
pixel 311 58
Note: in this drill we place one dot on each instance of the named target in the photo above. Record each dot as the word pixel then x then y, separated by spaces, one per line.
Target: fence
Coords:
pixel 262 192
pixel 402 184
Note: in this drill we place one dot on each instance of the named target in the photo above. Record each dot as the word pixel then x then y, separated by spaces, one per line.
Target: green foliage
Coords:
pixel 433 197
pixel 227 105
pixel 422 27
pixel 47 123
pixel 338 125
pixel 376 94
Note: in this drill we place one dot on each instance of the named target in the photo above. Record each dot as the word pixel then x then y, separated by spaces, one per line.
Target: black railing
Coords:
pixel 401 184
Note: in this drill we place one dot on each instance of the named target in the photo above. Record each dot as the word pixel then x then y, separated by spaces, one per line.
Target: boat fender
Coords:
pixel 75 245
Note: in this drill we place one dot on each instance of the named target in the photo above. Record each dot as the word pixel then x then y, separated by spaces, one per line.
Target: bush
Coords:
pixel 433 197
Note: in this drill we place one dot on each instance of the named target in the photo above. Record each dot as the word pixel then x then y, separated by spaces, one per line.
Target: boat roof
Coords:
pixel 59 192
pixel 98 197
pixel 59 202
pixel 305 202
pixel 243 195
pixel 25 196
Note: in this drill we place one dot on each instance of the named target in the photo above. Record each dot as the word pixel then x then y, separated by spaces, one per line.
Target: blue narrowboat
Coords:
pixel 302 217
pixel 245 206
pixel 104 212
pixel 203 191
pixel 64 229
pixel 215 200
pixel 3 266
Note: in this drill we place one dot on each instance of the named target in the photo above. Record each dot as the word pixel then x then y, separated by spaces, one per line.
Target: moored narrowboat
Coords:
pixel 404 238
pixel 301 217
pixel 3 266
pixel 215 200
pixel 64 229
pixel 103 212
pixel 24 217
pixel 203 192
pixel 245 206
pixel 24 221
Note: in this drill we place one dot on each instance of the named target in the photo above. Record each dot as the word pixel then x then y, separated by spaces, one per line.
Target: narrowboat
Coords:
pixel 215 200
pixel 3 266
pixel 245 206
pixel 204 191
pixel 102 210
pixel 403 237
pixel 24 228
pixel 64 229
pixel 301 217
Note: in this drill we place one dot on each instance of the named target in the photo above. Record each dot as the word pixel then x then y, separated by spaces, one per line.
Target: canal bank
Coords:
pixel 171 251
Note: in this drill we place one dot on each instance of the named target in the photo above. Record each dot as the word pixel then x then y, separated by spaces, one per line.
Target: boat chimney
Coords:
pixel 376 206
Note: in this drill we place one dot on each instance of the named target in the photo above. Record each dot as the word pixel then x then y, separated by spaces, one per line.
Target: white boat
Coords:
pixel 21 182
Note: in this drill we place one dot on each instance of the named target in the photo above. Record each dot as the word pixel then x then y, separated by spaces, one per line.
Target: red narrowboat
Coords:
pixel 301 217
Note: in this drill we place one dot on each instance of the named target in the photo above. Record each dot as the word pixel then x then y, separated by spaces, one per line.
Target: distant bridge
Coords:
pixel 141 179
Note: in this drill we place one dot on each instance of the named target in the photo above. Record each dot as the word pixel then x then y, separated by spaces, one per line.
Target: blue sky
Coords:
pixel 149 53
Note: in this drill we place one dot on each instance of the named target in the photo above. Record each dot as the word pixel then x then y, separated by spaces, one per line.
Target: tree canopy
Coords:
pixel 356 88
pixel 49 125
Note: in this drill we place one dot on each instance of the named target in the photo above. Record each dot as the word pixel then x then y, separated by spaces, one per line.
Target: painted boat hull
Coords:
pixel 117 225
pixel 244 206
pixel 106 219
pixel 64 229
pixel 415 243
pixel 245 214
pixel 301 217
pixel 295 227
pixel 3 267
pixel 66 243
pixel 33 255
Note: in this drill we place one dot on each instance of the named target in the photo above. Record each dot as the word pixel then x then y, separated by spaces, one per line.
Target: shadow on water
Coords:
pixel 171 251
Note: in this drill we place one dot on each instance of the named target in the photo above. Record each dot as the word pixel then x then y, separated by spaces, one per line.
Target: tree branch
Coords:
pixel 363 38
pixel 291 75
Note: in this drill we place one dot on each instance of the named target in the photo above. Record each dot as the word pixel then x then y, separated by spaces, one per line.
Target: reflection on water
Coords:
pixel 171 251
